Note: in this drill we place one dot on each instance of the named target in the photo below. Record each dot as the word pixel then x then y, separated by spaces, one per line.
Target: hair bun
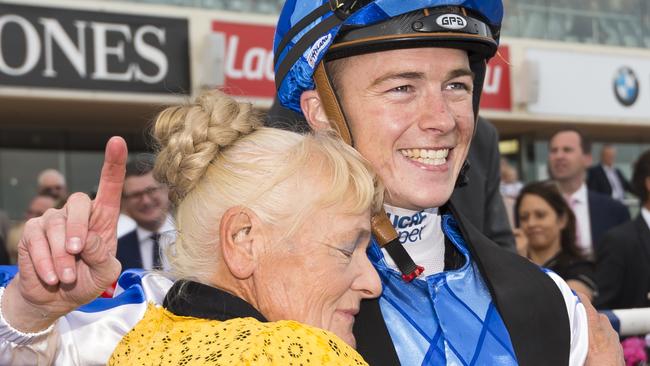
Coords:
pixel 190 136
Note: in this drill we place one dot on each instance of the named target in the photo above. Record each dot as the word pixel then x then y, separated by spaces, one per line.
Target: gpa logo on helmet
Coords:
pixel 318 47
pixel 451 21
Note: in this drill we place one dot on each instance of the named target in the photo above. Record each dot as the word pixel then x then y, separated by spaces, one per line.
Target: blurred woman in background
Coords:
pixel 549 228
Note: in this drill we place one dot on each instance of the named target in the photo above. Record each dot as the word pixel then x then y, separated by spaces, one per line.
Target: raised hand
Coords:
pixel 66 257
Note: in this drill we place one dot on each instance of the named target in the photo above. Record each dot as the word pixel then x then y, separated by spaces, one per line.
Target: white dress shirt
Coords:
pixel 580 204
pixel 167 236
pixel 614 181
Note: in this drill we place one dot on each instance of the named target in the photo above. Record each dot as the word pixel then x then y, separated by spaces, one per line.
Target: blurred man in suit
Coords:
pixel 52 183
pixel 37 207
pixel 623 257
pixel 606 178
pixel 569 156
pixel 145 201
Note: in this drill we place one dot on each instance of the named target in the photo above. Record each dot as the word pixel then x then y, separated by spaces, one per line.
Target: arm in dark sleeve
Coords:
pixel 610 270
pixel 497 226
pixel 480 200
pixel 4 256
pixel 624 213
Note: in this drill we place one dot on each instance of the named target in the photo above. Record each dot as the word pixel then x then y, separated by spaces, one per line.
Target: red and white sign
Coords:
pixel 249 65
pixel 496 89
pixel 248 58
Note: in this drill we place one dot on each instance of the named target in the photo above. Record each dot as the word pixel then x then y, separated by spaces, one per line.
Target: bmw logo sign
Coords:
pixel 626 86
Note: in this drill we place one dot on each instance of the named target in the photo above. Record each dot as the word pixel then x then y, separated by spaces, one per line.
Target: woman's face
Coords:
pixel 540 223
pixel 320 275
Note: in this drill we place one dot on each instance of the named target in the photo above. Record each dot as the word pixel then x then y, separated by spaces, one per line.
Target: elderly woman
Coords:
pixel 270 257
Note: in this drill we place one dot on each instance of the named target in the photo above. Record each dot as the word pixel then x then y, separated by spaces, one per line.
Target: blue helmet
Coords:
pixel 312 31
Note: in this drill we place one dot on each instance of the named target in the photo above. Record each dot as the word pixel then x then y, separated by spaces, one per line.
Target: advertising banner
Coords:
pixel 590 84
pixel 73 49
pixel 249 65
pixel 496 88
pixel 248 58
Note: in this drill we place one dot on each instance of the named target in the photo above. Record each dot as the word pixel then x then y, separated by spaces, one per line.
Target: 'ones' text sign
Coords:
pixel 62 48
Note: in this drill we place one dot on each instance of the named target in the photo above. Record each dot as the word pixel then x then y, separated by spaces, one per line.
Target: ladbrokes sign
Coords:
pixel 249 58
pixel 249 64
pixel 60 48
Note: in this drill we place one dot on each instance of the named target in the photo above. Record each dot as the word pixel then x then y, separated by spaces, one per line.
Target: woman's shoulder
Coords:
pixel 175 339
pixel 308 345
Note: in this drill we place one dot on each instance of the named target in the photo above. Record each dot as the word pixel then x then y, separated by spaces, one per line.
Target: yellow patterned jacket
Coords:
pixel 164 338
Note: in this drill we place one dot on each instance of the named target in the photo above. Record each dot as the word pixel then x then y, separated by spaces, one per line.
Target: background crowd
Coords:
pixel 578 223
pixel 575 223
pixel 563 202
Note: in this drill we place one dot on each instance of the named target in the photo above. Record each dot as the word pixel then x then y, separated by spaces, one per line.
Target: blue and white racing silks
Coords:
pixel 88 335
pixel 461 325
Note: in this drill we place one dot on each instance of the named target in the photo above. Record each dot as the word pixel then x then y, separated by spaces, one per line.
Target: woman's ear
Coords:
pixel 240 234
pixel 314 111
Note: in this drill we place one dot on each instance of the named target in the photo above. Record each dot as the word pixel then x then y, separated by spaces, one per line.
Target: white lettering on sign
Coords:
pixel 75 53
pixel 32 51
pixel 151 54
pixel 492 82
pixel 257 62
pixel 103 51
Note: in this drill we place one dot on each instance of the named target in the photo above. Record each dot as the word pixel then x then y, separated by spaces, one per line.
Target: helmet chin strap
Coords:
pixel 331 103
pixel 382 229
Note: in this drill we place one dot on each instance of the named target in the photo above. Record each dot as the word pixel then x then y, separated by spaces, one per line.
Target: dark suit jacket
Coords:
pixel 623 267
pixel 597 180
pixel 128 250
pixel 528 301
pixel 604 213
pixel 480 200
pixel 4 257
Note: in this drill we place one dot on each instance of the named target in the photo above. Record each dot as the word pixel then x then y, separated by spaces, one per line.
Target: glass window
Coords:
pixel 609 22
pixel 19 170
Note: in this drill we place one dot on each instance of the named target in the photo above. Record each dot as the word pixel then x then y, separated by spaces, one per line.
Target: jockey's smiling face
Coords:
pixel 410 114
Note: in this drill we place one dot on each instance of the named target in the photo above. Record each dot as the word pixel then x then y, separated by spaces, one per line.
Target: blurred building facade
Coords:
pixel 74 72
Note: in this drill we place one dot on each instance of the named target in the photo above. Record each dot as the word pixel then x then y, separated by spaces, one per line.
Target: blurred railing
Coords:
pixel 575 25
pixel 629 322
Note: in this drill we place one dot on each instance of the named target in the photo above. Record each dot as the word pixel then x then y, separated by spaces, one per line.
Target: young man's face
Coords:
pixel 410 114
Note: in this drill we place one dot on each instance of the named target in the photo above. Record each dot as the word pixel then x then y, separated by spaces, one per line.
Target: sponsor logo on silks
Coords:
pixel 408 227
pixel 318 47
pixel 451 21
pixel 411 236
pixel 402 222
pixel 626 86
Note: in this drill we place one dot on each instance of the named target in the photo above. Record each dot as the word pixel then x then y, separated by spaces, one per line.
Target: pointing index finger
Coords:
pixel 109 192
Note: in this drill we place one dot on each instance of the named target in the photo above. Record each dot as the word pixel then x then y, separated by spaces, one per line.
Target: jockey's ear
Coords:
pixel 313 110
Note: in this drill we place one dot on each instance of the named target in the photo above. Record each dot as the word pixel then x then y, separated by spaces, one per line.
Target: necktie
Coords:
pixel 572 203
pixel 155 237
